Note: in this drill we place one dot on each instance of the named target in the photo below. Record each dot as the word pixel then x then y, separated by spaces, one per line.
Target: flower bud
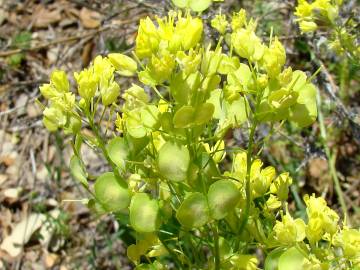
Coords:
pixel 48 91
pixel 307 26
pixel 87 83
pixel 110 94
pixel 123 64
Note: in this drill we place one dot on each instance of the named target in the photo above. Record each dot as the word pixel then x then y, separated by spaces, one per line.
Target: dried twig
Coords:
pixel 55 42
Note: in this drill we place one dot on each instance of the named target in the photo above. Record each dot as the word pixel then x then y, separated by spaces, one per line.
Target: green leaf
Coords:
pixel 184 117
pixel 304 113
pixel 150 117
pixel 222 196
pixel 291 259
pixel 194 211
pixel 242 76
pixel 195 5
pixel 77 170
pixel 118 151
pixel 272 259
pixel 237 111
pixel 204 113
pixel 144 213
pixel 77 143
pixel 181 3
pixel 134 125
pixel 108 191
pixel 173 161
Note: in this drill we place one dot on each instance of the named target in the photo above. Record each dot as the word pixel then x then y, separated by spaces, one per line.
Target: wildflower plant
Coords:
pixel 342 34
pixel 167 177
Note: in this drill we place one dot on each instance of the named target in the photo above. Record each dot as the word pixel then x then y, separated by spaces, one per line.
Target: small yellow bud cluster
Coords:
pixel 286 94
pixel 95 81
pixel 60 113
pixel 342 38
pixel 310 15
pixel 161 45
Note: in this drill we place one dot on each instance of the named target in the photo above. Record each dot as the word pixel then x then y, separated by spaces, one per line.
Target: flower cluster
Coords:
pixel 324 14
pixel 167 178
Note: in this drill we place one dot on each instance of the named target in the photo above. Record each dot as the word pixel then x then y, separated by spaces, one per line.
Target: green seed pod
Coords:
pixel 77 170
pixel 113 196
pixel 118 151
pixel 144 213
pixel 194 211
pixel 223 196
pixel 173 161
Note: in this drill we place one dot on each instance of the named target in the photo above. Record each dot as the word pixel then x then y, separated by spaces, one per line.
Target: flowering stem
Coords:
pixel 331 160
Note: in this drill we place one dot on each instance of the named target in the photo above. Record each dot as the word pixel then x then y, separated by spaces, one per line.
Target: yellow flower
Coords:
pixel 119 123
pixel 247 44
pixel 58 85
pixel 351 243
pixel 244 261
pixel 190 62
pixel 273 202
pixel 280 186
pixel 238 20
pixel 190 29
pixel 274 58
pixel 263 181
pixel 289 231
pixel 161 68
pixel 219 23
pixel 147 40
pixel 304 9
pixel 322 219
pixel 59 80
pixel 54 118
pixel 66 102
pixel 217 151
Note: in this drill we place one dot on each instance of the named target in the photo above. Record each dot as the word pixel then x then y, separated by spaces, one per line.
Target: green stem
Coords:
pixel 103 149
pixel 245 217
pixel 172 253
pixel 216 246
pixel 331 159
